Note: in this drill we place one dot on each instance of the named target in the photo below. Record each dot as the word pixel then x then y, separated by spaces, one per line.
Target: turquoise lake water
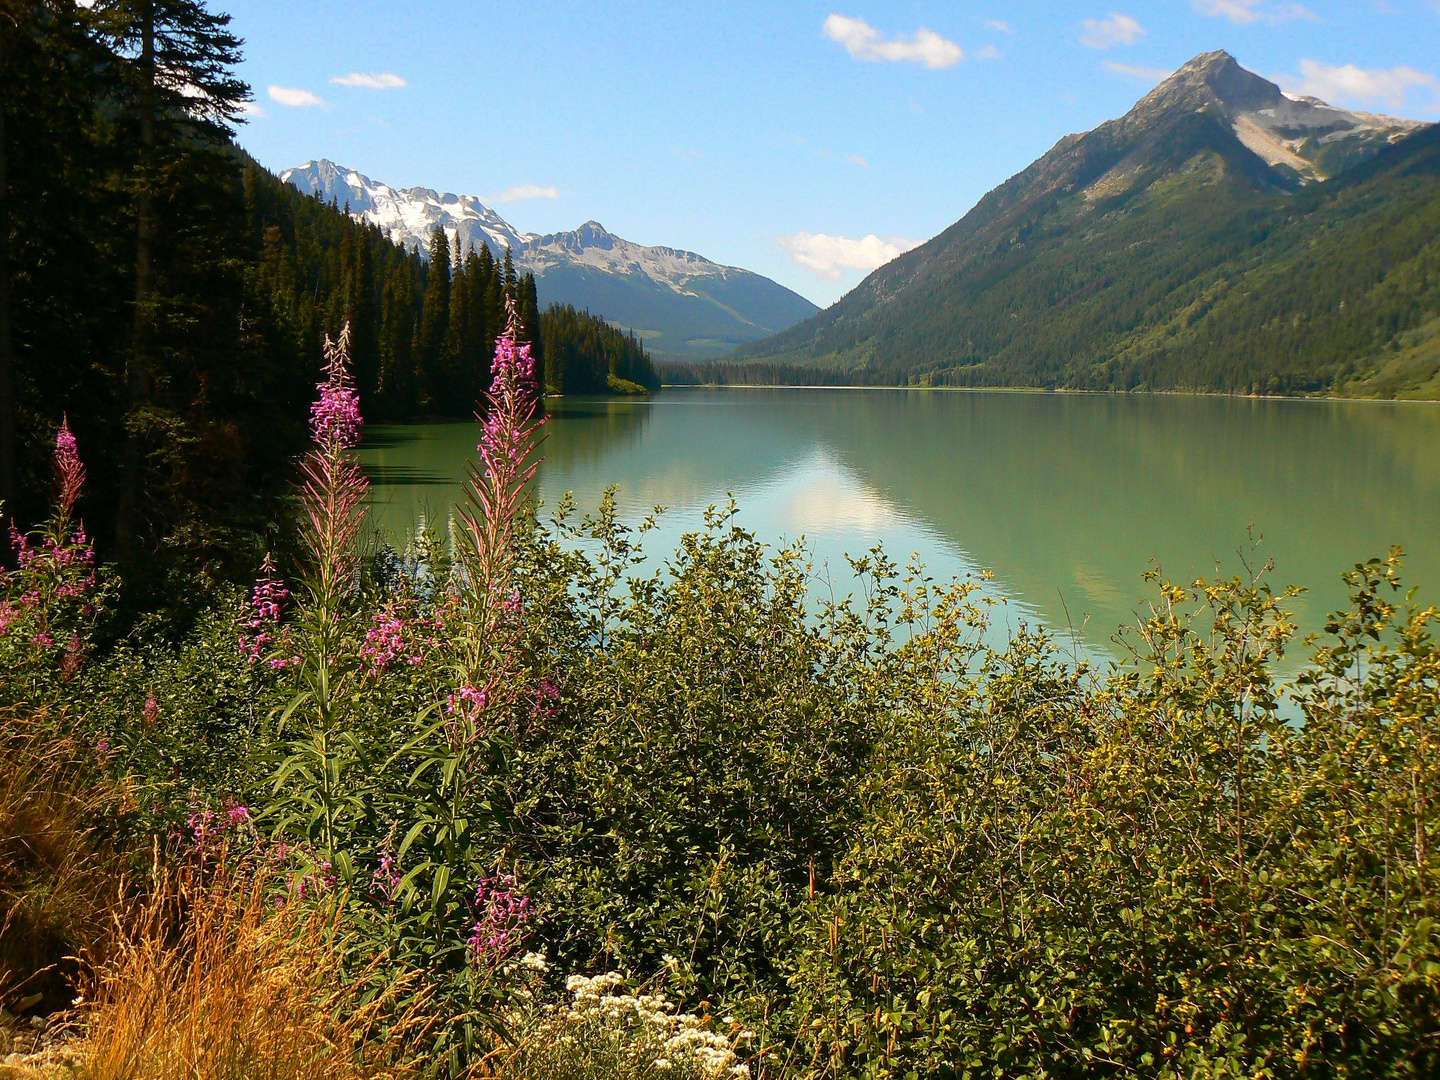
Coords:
pixel 1066 498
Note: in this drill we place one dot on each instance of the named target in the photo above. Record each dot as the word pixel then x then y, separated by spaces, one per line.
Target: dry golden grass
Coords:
pixel 59 875
pixel 216 982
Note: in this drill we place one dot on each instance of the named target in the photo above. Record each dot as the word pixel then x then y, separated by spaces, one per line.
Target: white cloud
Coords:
pixel 998 24
pixel 294 97
pixel 251 108
pixel 1348 83
pixel 864 42
pixel 989 52
pixel 1116 30
pixel 526 191
pixel 1252 11
pixel 384 80
pixel 1149 74
pixel 856 159
pixel 830 256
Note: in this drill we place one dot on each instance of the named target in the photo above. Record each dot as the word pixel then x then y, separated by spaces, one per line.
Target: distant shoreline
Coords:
pixel 1050 390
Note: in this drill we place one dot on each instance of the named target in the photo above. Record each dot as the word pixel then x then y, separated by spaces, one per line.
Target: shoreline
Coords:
pixel 1052 390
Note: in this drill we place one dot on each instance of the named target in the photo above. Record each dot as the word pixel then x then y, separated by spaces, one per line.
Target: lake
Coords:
pixel 1066 498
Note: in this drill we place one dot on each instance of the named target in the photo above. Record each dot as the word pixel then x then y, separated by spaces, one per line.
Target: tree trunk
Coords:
pixel 142 353
pixel 8 478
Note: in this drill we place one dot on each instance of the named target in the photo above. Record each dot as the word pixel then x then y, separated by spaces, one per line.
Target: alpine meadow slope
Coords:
pixel 681 304
pixel 1220 236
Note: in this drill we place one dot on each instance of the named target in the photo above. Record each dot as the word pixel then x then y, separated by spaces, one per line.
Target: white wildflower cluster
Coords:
pixel 531 961
pixel 653 1026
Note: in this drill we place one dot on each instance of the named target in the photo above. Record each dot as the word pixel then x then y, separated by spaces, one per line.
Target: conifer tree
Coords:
pixel 434 322
pixel 181 90
pixel 361 316
pixel 459 346
pixel 477 370
pixel 397 366
pixel 529 308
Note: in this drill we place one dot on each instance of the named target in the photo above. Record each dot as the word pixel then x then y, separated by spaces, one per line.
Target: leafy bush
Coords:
pixel 1154 873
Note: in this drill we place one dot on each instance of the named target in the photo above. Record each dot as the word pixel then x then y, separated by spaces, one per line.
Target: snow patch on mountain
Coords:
pixel 1295 131
pixel 409 216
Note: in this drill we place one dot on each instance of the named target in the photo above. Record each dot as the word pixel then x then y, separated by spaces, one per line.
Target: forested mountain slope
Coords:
pixel 1161 251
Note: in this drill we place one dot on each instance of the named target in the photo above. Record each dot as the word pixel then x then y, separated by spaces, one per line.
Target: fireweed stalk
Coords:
pixel 48 602
pixel 332 496
pixel 489 602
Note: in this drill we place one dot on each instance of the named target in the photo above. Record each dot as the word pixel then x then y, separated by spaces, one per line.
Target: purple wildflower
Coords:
pixel 387 878
pixel 266 603
pixel 335 419
pixel 502 913
pixel 69 471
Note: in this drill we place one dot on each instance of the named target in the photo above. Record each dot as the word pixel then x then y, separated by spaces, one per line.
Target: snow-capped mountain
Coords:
pixel 408 216
pixel 681 303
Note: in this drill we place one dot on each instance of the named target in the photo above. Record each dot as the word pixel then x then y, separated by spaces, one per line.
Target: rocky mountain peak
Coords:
pixel 1302 139
pixel 1212 79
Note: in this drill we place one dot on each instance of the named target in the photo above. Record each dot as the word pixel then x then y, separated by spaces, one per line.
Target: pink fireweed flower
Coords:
pixel 546 694
pixel 209 829
pixel 21 543
pixel 267 602
pixel 388 641
pixel 502 913
pixel 468 702
pixel 69 471
pixel 388 877
pixel 335 419
pixel 152 710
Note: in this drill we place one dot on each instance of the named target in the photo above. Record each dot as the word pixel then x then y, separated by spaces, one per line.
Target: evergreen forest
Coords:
pixel 170 295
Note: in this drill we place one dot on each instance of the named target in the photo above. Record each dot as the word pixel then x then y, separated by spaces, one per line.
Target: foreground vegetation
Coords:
pixel 472 807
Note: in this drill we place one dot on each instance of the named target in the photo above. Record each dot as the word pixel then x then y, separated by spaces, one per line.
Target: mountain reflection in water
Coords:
pixel 1068 498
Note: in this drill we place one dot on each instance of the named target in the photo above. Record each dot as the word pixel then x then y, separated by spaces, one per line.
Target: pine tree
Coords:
pixel 397 362
pixel 181 91
pixel 458 398
pixel 477 275
pixel 434 322
pixel 361 315
pixel 528 304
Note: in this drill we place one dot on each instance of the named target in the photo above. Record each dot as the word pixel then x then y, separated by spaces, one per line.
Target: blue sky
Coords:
pixel 805 141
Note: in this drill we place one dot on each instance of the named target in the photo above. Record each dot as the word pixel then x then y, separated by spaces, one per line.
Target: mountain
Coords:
pixel 1219 236
pixel 682 304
